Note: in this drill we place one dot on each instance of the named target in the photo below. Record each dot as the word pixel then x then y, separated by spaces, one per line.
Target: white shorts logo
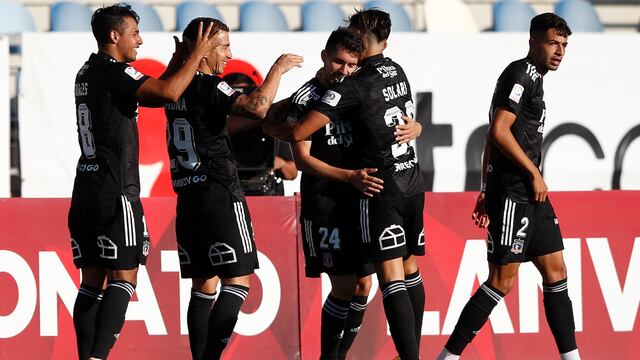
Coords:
pixel 109 250
pixel 225 88
pixel 331 98
pixel 221 253
pixel 516 92
pixel 135 74
pixel 392 237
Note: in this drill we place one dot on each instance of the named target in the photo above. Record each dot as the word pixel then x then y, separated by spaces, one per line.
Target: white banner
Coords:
pixel 592 99
pixel 5 125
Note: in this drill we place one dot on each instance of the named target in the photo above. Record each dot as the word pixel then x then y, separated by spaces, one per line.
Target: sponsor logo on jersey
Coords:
pixel 331 98
pixel 82 89
pixel 406 165
pixel 532 72
pixel 395 91
pixel 338 133
pixel 225 88
pixel 135 74
pixel 516 93
pixel 387 71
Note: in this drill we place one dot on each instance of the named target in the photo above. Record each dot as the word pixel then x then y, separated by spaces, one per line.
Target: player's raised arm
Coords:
pixel 257 104
pixel 156 91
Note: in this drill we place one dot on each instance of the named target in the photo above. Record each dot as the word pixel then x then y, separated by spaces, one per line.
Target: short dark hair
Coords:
pixel 235 78
pixel 109 18
pixel 374 21
pixel 543 22
pixel 346 38
pixel 191 31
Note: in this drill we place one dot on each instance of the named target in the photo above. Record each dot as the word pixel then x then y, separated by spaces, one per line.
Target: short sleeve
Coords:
pixel 125 79
pixel 512 89
pixel 216 92
pixel 339 100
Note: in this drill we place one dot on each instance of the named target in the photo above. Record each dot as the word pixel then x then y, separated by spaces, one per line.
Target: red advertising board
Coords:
pixel 281 317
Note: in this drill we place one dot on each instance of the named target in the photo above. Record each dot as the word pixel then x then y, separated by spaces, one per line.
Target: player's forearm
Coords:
pixel 280 131
pixel 318 168
pixel 485 163
pixel 176 83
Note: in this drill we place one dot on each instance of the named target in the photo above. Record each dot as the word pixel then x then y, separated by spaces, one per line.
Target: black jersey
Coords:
pixel 198 143
pixel 106 115
pixel 319 195
pixel 519 90
pixel 374 98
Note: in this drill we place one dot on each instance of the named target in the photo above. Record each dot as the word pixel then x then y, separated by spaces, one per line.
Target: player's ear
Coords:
pixel 385 45
pixel 323 55
pixel 114 36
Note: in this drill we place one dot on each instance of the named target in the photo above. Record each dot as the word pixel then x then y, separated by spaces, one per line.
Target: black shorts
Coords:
pixel 391 228
pixel 328 249
pixel 214 234
pixel 519 232
pixel 114 237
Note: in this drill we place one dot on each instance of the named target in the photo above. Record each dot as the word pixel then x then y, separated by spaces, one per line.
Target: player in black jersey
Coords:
pixel 326 242
pixel 375 99
pixel 522 225
pixel 109 237
pixel 325 247
pixel 213 227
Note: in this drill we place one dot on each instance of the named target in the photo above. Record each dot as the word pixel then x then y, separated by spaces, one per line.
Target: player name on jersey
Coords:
pixel 395 91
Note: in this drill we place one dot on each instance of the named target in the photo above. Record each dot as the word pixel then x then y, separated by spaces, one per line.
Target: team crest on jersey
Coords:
pixel 331 98
pixel 146 245
pixel 225 88
pixel 516 93
pixel 327 260
pixel 135 74
pixel 517 246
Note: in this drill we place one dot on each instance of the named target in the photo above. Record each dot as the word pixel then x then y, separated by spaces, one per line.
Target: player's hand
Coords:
pixel 410 130
pixel 183 48
pixel 205 41
pixel 539 188
pixel 479 214
pixel 288 61
pixel 365 183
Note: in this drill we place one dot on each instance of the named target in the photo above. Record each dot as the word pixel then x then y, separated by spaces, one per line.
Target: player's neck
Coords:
pixel 542 70
pixel 112 51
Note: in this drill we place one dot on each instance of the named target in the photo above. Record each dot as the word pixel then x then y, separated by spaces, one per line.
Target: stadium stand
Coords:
pixel 449 16
pixel 580 15
pixel 318 15
pixel 400 20
pixel 15 18
pixel 70 16
pixel 189 10
pixel 261 16
pixel 149 18
pixel 512 16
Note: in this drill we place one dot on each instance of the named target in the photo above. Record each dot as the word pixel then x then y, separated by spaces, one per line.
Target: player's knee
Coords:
pixel 363 286
pixel 240 280
pixel 504 284
pixel 130 276
pixel 205 285
pixel 555 274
